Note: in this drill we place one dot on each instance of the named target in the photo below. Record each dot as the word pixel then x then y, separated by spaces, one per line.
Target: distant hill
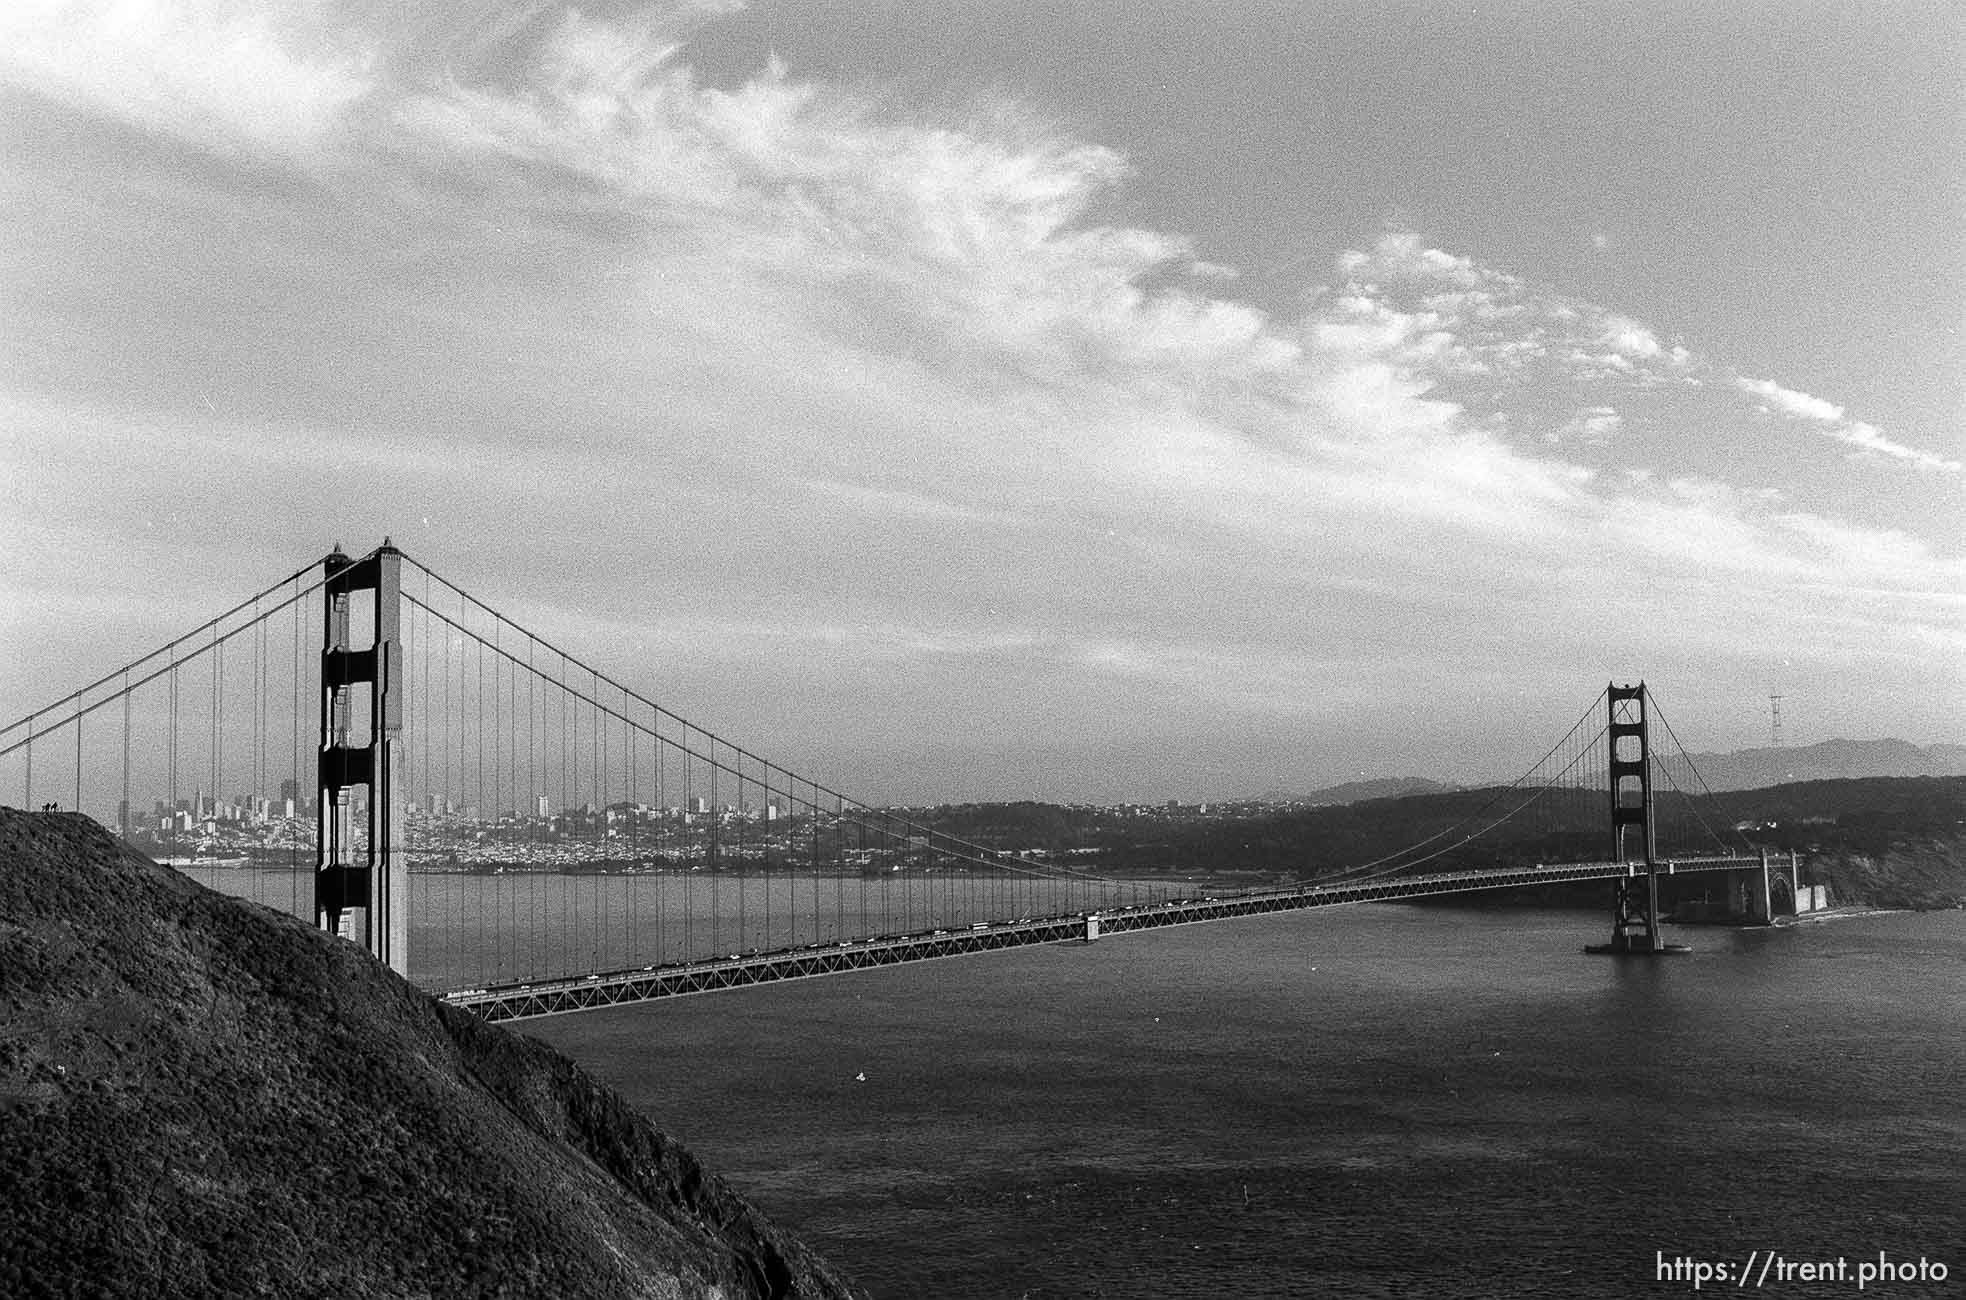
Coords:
pixel 1385 787
pixel 1742 769
pixel 1832 760
pixel 200 1097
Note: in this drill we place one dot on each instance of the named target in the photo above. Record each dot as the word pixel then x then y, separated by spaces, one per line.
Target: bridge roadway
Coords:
pixel 645 983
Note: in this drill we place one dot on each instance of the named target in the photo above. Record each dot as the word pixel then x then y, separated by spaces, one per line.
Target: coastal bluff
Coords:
pixel 199 1096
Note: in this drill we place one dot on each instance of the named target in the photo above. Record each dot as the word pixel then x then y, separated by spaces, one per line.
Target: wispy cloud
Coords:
pixel 1830 420
pixel 1463 320
pixel 886 371
pixel 1485 338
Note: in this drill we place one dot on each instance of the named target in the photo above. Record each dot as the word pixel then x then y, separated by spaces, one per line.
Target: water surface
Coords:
pixel 1366 1101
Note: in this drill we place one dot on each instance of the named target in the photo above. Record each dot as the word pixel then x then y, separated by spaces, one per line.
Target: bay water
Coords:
pixel 1366 1101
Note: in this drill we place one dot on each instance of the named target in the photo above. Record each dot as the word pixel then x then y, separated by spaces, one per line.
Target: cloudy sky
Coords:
pixel 1022 399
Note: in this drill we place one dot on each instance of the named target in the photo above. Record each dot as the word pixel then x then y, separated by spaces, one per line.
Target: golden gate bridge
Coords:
pixel 375 750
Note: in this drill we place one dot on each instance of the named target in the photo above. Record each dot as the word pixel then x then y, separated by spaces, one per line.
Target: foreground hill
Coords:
pixel 200 1097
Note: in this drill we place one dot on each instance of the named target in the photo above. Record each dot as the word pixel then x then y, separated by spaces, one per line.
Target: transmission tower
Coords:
pixel 1775 721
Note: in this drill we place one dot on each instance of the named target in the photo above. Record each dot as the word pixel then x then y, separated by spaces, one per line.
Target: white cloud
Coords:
pixel 1868 439
pixel 1629 338
pixel 219 73
pixel 1595 425
pixel 1787 401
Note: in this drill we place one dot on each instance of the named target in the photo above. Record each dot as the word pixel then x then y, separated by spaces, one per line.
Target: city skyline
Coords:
pixel 959 402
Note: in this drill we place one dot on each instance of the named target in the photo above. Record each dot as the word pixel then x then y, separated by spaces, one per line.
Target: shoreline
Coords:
pixel 1847 912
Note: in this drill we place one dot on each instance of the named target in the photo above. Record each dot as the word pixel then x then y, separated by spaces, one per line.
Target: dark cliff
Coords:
pixel 201 1097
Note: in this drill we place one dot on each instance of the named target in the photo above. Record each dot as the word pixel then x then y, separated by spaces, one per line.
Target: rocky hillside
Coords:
pixel 200 1097
pixel 1887 842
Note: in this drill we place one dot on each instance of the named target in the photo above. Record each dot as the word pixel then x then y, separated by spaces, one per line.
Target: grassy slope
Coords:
pixel 199 1097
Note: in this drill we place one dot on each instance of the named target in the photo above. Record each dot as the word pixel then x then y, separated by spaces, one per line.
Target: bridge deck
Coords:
pixel 613 988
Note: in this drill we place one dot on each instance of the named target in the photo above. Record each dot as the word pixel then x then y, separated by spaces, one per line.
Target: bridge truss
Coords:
pixel 614 988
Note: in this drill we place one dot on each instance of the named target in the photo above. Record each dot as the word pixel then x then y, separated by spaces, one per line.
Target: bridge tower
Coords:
pixel 361 884
pixel 1635 905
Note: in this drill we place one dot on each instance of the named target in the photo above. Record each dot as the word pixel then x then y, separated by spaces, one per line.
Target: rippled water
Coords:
pixel 1373 1101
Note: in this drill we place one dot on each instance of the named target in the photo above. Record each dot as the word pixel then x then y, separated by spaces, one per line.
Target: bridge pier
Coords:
pixel 1635 914
pixel 1635 919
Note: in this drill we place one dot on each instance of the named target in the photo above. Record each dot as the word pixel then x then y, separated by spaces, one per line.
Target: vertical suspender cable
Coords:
pixel 567 800
pixel 662 867
pixel 716 862
pixel 600 825
pixel 630 921
pixel 431 752
pixel 522 813
pixel 293 840
pixel 425 733
pixel 172 810
pixel 762 851
pixel 474 880
pixel 536 894
pixel 602 799
pixel 256 792
pixel 451 914
pixel 508 890
pixel 688 849
pixel 128 814
pixel 255 787
pixel 218 714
